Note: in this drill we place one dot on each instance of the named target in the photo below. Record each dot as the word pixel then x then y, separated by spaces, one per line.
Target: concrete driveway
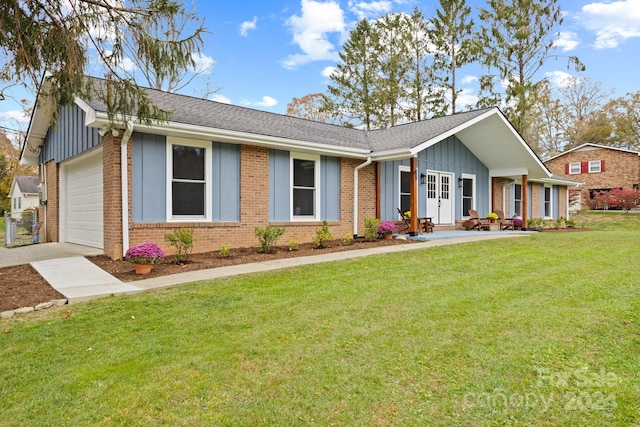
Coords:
pixel 43 251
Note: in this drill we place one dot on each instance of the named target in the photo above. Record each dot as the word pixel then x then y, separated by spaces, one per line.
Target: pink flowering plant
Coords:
pixel 387 227
pixel 144 253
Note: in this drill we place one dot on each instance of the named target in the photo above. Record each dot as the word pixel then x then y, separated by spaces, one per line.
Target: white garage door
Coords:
pixel 84 206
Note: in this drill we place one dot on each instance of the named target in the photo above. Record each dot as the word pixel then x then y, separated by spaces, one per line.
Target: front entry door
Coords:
pixel 440 197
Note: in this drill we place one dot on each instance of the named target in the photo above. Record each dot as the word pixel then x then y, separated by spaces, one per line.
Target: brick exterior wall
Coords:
pixel 254 208
pixel 621 169
pixel 50 213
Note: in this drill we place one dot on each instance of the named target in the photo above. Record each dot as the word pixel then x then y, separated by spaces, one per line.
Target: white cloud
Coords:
pixel 466 98
pixel 467 80
pixel 311 29
pixel 14 116
pixel 246 26
pixel 567 41
pixel 613 22
pixel 372 9
pixel 220 98
pixel 559 78
pixel 203 62
pixel 328 71
pixel 266 102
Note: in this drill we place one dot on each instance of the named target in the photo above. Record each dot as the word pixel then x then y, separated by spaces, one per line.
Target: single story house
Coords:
pixel 23 194
pixel 598 168
pixel 223 170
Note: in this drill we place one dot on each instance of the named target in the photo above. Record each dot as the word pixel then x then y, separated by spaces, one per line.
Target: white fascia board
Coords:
pixel 401 154
pixel 90 113
pixel 556 181
pixel 224 135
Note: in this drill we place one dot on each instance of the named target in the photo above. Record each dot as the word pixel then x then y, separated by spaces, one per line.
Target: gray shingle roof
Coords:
pixel 27 184
pixel 211 114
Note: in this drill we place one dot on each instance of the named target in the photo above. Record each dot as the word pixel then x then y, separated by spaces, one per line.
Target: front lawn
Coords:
pixel 541 330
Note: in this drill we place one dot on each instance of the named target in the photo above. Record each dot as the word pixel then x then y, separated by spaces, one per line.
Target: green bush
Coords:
pixel 182 240
pixel 323 235
pixel 371 228
pixel 225 250
pixel 348 239
pixel 293 245
pixel 268 237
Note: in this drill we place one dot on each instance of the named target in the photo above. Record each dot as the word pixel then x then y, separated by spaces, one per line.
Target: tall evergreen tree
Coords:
pixel 355 80
pixel 419 80
pixel 452 35
pixel 515 40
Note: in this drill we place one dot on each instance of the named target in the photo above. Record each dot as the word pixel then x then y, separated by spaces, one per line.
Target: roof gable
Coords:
pixel 589 147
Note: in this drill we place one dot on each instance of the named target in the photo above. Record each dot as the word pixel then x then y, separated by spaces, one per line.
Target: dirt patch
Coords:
pixel 22 286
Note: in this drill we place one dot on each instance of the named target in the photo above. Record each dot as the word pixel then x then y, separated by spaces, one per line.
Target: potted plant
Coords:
pixel 517 223
pixel 387 228
pixel 144 256
pixel 492 216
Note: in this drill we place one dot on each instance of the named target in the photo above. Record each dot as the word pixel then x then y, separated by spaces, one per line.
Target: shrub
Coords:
pixel 182 240
pixel 268 237
pixel 225 250
pixel 348 239
pixel 323 235
pixel 387 227
pixel 293 245
pixel 468 224
pixel 28 219
pixel 144 253
pixel 371 228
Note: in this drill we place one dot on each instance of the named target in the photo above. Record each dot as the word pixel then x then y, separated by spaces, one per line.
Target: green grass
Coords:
pixel 533 331
pixel 1 230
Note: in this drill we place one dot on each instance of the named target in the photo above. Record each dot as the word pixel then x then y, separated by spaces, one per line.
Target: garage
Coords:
pixel 82 200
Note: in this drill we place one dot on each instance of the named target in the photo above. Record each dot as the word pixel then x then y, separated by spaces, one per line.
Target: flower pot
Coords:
pixel 388 236
pixel 143 268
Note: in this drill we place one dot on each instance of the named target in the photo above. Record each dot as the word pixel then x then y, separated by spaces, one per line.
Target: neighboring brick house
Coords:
pixel 598 168
pixel 223 170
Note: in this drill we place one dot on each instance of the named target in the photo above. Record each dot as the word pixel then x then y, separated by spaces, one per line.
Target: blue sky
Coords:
pixel 266 53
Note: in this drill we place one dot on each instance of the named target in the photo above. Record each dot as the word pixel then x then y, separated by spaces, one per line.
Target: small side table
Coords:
pixel 494 226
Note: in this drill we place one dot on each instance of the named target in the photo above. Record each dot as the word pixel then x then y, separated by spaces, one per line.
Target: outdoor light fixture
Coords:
pixel 423 178
pixel 460 182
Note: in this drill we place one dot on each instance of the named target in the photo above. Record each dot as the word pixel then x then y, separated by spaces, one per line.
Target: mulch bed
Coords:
pixel 22 286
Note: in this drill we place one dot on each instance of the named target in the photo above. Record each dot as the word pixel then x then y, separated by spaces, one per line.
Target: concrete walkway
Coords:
pixel 80 280
pixel 43 251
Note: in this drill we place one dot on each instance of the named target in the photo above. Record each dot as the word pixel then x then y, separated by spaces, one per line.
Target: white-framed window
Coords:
pixel 574 168
pixel 594 166
pixel 188 180
pixel 517 199
pixel 468 193
pixel 305 187
pixel 547 202
pixel 404 188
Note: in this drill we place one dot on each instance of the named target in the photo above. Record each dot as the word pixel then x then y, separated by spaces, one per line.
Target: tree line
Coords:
pixel 404 68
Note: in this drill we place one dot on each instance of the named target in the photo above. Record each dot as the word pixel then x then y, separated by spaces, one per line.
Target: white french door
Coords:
pixel 440 197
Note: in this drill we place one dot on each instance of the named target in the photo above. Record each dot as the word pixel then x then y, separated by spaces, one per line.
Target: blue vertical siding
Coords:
pixel 69 136
pixel 149 174
pixel 226 182
pixel 330 188
pixel 279 185
pixel 449 155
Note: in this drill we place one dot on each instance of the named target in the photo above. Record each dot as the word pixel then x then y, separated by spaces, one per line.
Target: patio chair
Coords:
pixel 505 223
pixel 405 219
pixel 425 225
pixel 479 223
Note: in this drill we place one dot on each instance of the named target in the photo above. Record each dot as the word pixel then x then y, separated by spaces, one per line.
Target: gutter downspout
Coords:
pixel 124 179
pixel 355 194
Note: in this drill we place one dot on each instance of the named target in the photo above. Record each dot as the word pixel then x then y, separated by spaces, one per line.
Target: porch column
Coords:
pixel 413 188
pixel 525 200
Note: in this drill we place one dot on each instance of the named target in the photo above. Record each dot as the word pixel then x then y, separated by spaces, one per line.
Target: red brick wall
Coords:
pixel 621 169
pixel 112 199
pixel 50 213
